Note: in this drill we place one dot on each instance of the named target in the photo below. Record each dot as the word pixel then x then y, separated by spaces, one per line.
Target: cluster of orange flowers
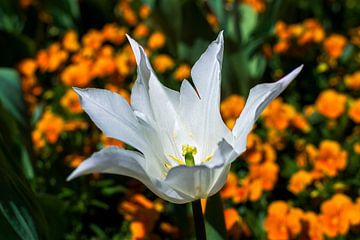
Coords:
pixel 262 176
pixel 337 215
pixel 143 215
pixel 326 161
pixel 309 31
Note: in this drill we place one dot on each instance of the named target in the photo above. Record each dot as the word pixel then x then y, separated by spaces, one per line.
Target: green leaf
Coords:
pixel 214 218
pixel 10 93
pixel 248 21
pixel 217 7
pixel 19 220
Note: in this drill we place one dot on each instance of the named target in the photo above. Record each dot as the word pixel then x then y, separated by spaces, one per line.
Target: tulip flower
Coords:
pixel 183 148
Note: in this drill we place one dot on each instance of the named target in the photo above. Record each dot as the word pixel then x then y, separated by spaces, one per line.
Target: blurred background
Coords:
pixel 299 178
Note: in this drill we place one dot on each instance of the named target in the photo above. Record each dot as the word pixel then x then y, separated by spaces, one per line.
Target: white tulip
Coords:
pixel 168 128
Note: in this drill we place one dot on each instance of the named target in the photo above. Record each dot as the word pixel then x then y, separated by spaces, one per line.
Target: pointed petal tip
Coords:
pixel 72 176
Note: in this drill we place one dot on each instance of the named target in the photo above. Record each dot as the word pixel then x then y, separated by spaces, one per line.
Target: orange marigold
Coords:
pixel 354 111
pixel 299 181
pixel 278 114
pixel 231 108
pixel 330 158
pixel 331 104
pixel 182 72
pixel 334 45
pixel 77 75
pixel 71 102
pixel 353 81
pixel 141 31
pixel 335 215
pixel 51 126
pixel 163 62
pixel 156 40
pixel 27 67
pixel 70 41
pixel 282 222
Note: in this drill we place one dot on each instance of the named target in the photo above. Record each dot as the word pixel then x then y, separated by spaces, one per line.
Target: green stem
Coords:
pixel 198 220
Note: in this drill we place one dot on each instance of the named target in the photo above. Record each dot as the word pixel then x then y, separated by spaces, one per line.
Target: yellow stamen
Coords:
pixel 178 160
pixel 208 158
pixel 168 166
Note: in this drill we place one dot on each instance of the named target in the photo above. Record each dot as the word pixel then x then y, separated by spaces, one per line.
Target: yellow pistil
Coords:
pixel 188 153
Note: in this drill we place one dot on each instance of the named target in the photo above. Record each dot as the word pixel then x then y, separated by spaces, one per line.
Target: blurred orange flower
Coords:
pixel 299 181
pixel 353 81
pixel 334 45
pixel 156 40
pixel 163 62
pixel 330 158
pixel 51 126
pixel 331 104
pixel 278 114
pixel 231 108
pixel 335 215
pixel 354 111
pixel 182 72
pixel 282 222
pixel 76 75
pixel 70 41
pixel 71 102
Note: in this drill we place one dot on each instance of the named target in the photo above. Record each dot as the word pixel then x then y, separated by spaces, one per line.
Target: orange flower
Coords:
pixel 314 227
pixel 72 125
pixel 182 72
pixel 144 11
pixel 330 104
pixel 156 40
pixel 330 158
pixel 278 114
pixel 71 102
pixel 162 63
pixel 354 111
pixel 50 59
pixel 141 31
pixel 258 5
pixel 353 81
pixel 37 139
pixel 282 222
pixel 93 39
pixel 27 67
pixel 299 181
pixel 51 126
pixel 70 41
pixel 127 13
pixel 334 45
pixel 335 215
pixel 142 213
pixel 300 122
pixel 77 75
pixel 74 160
pixel 111 32
pixel 231 108
pixel 232 223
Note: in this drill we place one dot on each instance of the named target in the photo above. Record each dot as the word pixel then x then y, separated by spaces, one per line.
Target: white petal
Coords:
pixel 115 160
pixel 259 97
pixel 140 100
pixel 198 181
pixel 112 114
pixel 202 113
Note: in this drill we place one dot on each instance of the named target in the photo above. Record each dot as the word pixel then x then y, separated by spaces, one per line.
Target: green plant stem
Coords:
pixel 198 220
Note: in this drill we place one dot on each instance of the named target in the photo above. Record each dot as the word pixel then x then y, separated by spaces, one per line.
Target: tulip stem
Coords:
pixel 198 220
